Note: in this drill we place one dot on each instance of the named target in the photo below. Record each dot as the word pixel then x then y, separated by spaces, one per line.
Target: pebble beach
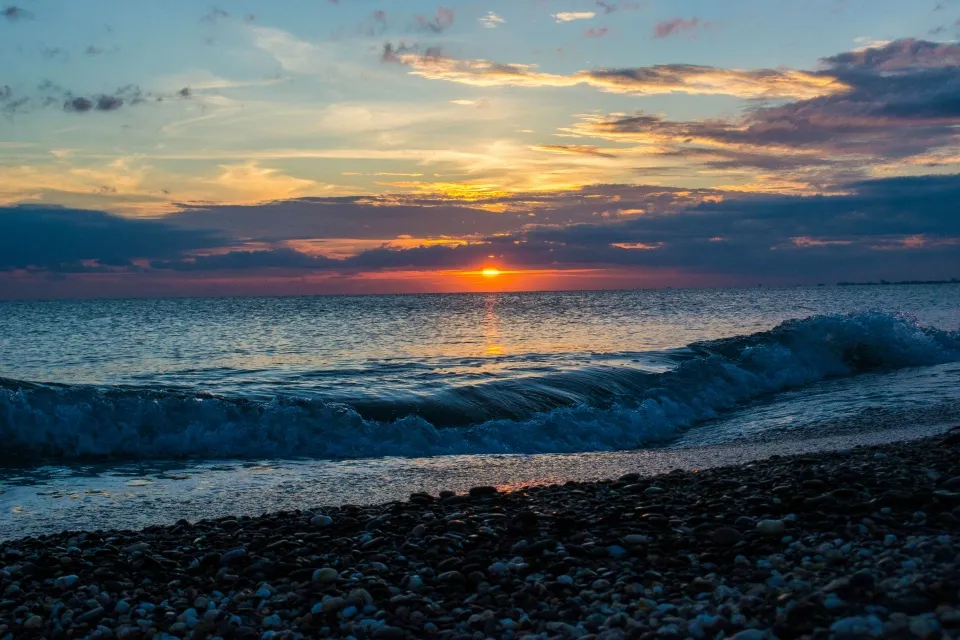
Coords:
pixel 852 544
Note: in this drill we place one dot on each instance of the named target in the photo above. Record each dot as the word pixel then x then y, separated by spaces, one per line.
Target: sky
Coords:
pixel 170 147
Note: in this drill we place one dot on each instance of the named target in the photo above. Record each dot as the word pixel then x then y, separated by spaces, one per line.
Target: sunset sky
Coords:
pixel 338 146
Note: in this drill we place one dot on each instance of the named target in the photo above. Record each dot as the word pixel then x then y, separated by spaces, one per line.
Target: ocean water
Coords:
pixel 113 406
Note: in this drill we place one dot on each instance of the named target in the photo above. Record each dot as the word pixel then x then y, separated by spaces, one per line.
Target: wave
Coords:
pixel 583 410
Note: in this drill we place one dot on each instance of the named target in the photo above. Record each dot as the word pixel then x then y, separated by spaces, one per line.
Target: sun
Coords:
pixel 490 272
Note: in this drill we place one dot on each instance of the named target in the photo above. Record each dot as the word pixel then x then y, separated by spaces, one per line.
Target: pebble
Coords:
pixel 872 552
pixel 321 521
pixel 326 575
pixel 725 536
pixel 771 527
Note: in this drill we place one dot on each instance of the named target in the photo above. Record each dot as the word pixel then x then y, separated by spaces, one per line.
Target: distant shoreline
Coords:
pixel 901 282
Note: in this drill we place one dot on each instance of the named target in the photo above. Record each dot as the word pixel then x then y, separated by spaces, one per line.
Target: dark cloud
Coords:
pixel 904 228
pixel 13 13
pixel 49 94
pixel 903 100
pixel 623 5
pixel 395 52
pixel 92 50
pixel 53 238
pixel 676 26
pixel 235 260
pixel 53 53
pixel 440 22
pixel 595 32
pixel 214 15
pixel 78 105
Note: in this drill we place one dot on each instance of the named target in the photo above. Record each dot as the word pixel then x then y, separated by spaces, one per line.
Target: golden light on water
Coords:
pixel 490 272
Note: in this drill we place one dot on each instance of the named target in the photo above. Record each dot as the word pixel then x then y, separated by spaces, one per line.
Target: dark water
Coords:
pixel 368 376
pixel 130 413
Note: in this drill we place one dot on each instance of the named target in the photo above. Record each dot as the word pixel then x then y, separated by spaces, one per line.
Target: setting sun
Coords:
pixel 490 272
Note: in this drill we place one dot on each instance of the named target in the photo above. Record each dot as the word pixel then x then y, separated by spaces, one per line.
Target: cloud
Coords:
pixel 282 258
pixel 14 13
pixel 575 149
pixel 58 239
pixel 375 24
pixel 440 22
pixel 491 20
pixel 570 16
pixel 894 228
pixel 596 32
pixel 676 27
pixel 215 15
pixel 623 5
pixel 659 79
pixel 900 103
pixel 49 94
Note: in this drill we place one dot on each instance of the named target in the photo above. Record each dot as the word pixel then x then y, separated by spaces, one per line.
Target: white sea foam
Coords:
pixel 72 422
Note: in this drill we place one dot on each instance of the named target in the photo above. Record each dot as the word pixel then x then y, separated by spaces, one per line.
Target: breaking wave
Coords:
pixel 591 409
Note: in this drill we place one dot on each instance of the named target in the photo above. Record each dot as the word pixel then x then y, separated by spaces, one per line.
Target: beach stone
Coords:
pixel 483 492
pixel 654 491
pixel 325 575
pixel 235 555
pixel 389 633
pixel 771 527
pixel 635 540
pixel 321 520
pixel 33 623
pixel 450 577
pixel 858 627
pixel 727 537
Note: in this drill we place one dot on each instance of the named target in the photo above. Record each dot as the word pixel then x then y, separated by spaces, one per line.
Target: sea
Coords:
pixel 129 413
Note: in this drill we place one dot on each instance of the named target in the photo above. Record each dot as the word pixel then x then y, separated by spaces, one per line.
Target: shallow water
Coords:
pixel 260 400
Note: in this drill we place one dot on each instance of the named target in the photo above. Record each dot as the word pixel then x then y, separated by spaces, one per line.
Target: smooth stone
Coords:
pixel 771 527
pixel 450 577
pixel 233 556
pixel 321 521
pixel 727 537
pixel 326 575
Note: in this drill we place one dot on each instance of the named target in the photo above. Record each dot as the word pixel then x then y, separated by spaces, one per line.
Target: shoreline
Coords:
pixel 854 543
pixel 136 495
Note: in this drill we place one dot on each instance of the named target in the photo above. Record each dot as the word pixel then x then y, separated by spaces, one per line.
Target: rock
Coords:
pixel 325 575
pixel 389 633
pixel 65 582
pixel 858 627
pixel 635 540
pixel 654 491
pixel 90 616
pixel 727 537
pixel 450 577
pixel 951 484
pixel 771 527
pixel 321 520
pixel 34 623
pixel 616 551
pixel 233 556
pixel 483 492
